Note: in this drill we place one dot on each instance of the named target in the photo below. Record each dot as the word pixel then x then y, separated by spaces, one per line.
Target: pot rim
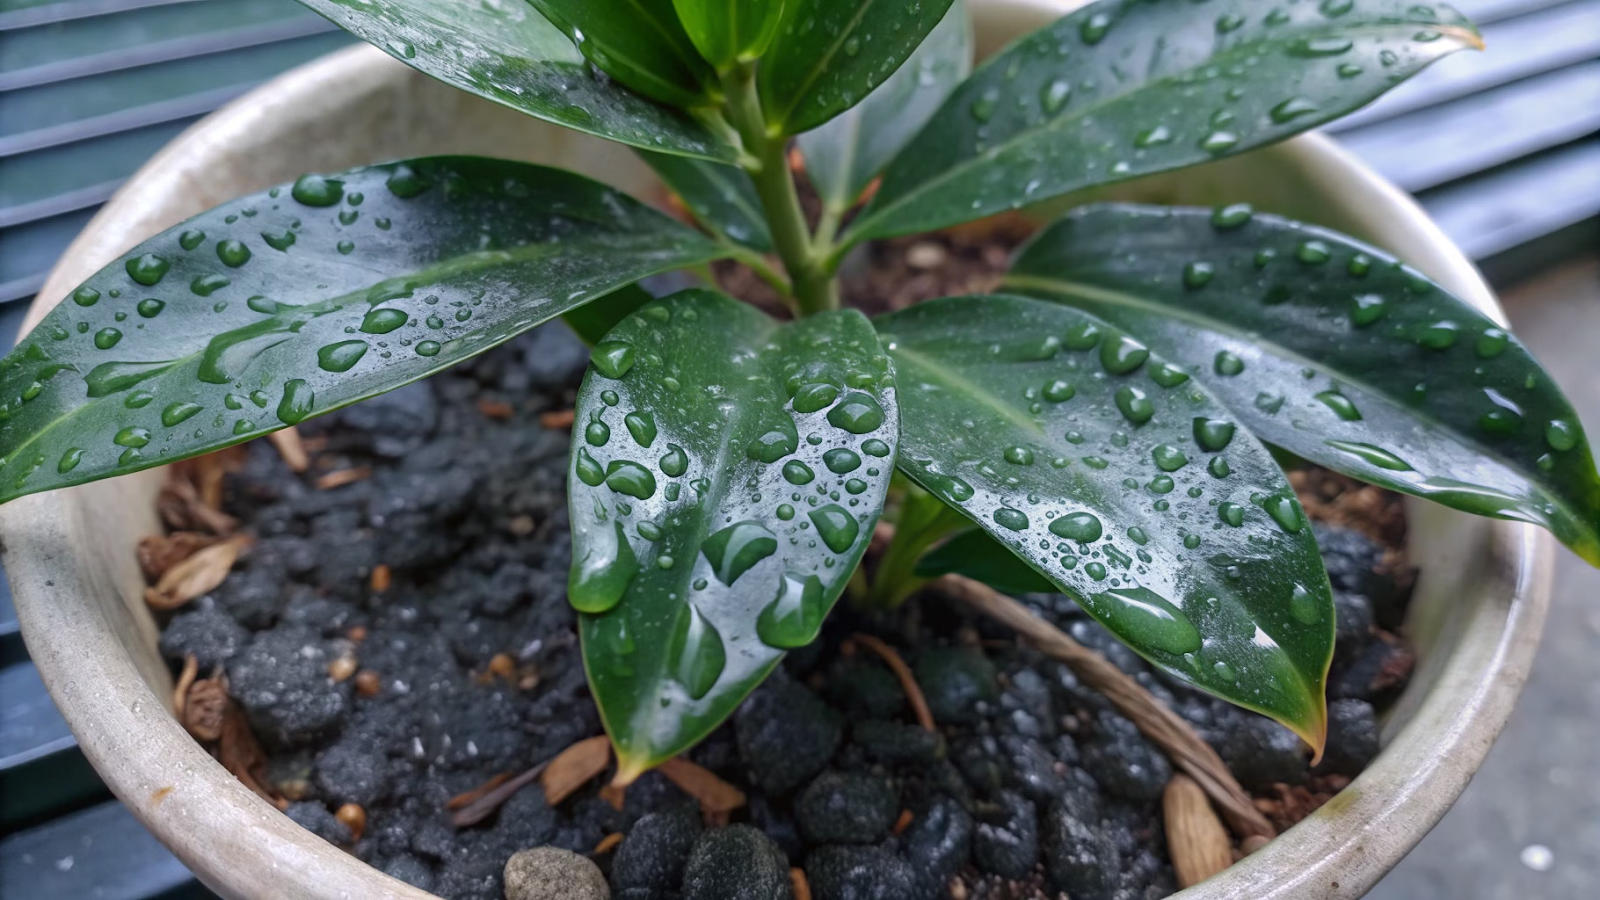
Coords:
pixel 236 842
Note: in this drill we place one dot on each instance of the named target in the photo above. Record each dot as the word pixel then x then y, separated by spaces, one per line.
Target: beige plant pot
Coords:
pixel 1480 601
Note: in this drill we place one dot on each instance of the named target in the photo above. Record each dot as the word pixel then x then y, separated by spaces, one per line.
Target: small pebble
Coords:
pixel 550 873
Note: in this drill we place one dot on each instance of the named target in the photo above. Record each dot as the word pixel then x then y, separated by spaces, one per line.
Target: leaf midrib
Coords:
pixel 822 64
pixel 965 386
pixel 863 228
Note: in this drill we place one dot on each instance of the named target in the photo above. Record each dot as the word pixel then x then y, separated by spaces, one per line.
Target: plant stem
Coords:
pixel 814 288
pixel 924 520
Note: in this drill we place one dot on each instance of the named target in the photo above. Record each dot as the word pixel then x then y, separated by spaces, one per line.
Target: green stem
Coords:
pixel 814 288
pixel 924 520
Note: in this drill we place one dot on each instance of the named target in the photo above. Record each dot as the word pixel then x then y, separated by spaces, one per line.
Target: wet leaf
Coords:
pixel 829 55
pixel 1122 88
pixel 1335 351
pixel 721 197
pixel 1075 448
pixel 729 31
pixel 507 52
pixel 847 152
pixel 727 472
pixel 640 43
pixel 290 303
pixel 591 321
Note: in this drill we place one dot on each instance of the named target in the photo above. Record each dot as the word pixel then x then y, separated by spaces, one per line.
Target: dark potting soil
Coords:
pixel 439 578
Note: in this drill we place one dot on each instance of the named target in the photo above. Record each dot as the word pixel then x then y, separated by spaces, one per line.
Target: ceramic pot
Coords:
pixel 1475 621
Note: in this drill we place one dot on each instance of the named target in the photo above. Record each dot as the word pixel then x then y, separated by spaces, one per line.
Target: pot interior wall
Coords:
pixel 379 111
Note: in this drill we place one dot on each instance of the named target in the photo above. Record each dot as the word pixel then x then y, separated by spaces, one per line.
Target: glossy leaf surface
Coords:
pixel 727 472
pixel 721 197
pixel 829 55
pixel 507 52
pixel 727 31
pixel 1127 485
pixel 640 43
pixel 1335 351
pixel 846 153
pixel 1122 88
pixel 290 303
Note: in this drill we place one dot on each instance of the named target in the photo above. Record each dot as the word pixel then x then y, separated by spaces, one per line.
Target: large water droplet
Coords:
pixel 642 425
pixel 675 462
pixel 132 436
pixel 779 440
pixel 106 338
pixel 841 460
pixel 812 397
pixel 233 253
pixel 856 413
pixel 1169 458
pixel 587 468
pixel 736 548
pixel 1149 618
pixel 797 472
pixel 1367 453
pixel 1505 418
pixel 342 356
pixel 1293 108
pixel 1094 28
pixel 1561 435
pixel 602 575
pixel 1367 308
pixel 795 615
pixel 1079 526
pixel 86 296
pixel 697 653
pixel 69 460
pixel 191 238
pixel 147 269
pixel 383 320
pixel 876 448
pixel 1054 95
pixel 405 182
pixel 1231 513
pixel 837 528
pixel 1231 216
pixel 1341 405
pixel 1227 363
pixel 1213 435
pixel 177 413
pixel 628 477
pixel 1013 519
pixel 612 359
pixel 1135 405
pixel 316 190
pixel 1304 607
pixel 1122 355
pixel 150 308
pixel 1285 510
pixel 1491 343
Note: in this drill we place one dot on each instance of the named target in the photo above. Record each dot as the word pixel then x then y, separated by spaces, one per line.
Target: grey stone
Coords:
pixel 550 873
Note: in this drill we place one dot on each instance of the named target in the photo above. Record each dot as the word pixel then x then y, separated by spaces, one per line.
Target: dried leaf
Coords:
pixel 343 477
pixel 574 767
pixel 291 448
pixel 196 575
pixel 205 704
pixel 717 797
pixel 908 683
pixel 181 508
pixel 180 693
pixel 615 795
pixel 608 843
pixel 1197 841
pixel 557 419
pixel 239 752
pixel 467 797
pixel 158 553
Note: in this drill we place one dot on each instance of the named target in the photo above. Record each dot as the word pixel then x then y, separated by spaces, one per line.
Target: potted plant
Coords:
pixel 1100 424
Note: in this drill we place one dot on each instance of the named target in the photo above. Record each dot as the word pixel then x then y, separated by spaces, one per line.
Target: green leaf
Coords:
pixel 730 31
pixel 297 301
pixel 1336 352
pixel 1122 88
pixel 829 55
pixel 722 197
pixel 508 53
pixel 727 472
pixel 640 43
pixel 976 555
pixel 846 153
pixel 1125 483
pixel 593 320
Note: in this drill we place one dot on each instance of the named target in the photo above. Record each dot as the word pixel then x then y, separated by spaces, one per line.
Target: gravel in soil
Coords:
pixel 439 577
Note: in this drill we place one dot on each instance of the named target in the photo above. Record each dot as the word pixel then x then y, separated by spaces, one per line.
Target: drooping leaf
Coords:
pixel 722 197
pixel 975 554
pixel 828 55
pixel 1335 351
pixel 1126 484
pixel 297 301
pixel 730 31
pixel 847 152
pixel 1122 88
pixel 639 43
pixel 507 52
pixel 593 320
pixel 727 472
